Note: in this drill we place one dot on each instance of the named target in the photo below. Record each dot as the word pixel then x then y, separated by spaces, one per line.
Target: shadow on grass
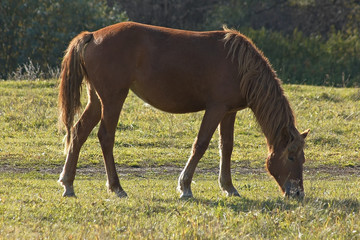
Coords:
pixel 243 204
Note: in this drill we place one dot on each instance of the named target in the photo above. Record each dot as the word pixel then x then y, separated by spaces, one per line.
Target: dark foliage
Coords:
pixel 38 31
pixel 307 41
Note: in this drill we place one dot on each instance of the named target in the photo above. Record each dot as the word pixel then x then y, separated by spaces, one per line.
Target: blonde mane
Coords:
pixel 262 89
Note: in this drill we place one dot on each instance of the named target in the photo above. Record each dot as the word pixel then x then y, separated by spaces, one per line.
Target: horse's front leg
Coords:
pixel 226 142
pixel 80 132
pixel 209 123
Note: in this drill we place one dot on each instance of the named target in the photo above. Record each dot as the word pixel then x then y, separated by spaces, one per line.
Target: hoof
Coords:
pixel 69 194
pixel 232 194
pixel 298 196
pixel 229 190
pixel 68 190
pixel 185 196
pixel 121 194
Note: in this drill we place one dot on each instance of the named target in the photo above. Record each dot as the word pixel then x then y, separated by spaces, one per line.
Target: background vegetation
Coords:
pixel 35 33
pixel 308 41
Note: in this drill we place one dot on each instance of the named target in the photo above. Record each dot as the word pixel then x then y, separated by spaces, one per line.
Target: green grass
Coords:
pixel 147 137
pixel 152 146
pixel 31 208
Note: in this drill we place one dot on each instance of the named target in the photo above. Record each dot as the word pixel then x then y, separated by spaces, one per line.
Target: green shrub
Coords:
pixel 38 31
pixel 311 60
pixel 325 52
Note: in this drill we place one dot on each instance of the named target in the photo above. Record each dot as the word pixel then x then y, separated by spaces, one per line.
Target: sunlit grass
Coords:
pixel 30 138
pixel 31 207
pixel 31 158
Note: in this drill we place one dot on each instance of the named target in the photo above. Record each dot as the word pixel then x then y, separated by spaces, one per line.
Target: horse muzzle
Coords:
pixel 292 189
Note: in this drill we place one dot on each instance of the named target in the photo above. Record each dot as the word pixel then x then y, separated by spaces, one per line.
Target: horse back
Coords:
pixel 173 70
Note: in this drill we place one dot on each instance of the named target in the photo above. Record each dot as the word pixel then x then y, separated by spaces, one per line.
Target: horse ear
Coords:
pixel 305 133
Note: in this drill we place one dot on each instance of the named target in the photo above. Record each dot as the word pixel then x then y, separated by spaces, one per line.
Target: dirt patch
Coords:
pixel 173 170
pixel 333 171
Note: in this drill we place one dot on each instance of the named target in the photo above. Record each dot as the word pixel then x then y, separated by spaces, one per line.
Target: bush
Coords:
pixel 311 60
pixel 34 33
pixel 325 53
pixel 39 30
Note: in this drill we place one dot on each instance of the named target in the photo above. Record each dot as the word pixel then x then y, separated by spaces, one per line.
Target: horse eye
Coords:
pixel 291 158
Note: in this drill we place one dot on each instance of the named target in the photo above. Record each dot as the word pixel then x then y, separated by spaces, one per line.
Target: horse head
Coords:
pixel 285 164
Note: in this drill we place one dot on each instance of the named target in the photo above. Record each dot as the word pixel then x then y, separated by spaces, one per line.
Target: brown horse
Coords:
pixel 177 71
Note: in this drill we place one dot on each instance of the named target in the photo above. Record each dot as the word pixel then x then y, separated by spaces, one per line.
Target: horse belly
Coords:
pixel 167 99
pixel 184 84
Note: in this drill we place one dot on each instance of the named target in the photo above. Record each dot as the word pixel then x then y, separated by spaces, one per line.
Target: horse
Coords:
pixel 177 71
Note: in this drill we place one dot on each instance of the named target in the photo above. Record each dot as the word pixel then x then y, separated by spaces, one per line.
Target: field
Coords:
pixel 151 148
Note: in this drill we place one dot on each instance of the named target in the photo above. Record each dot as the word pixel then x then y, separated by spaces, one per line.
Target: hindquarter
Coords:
pixel 109 64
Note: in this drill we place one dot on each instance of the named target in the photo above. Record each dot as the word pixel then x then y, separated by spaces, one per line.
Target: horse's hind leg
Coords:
pixel 226 142
pixel 111 111
pixel 209 123
pixel 81 130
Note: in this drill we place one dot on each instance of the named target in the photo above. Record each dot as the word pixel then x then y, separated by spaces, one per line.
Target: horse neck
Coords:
pixel 261 88
pixel 273 113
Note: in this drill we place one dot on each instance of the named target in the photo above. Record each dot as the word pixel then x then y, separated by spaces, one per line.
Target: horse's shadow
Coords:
pixel 243 204
pixel 269 205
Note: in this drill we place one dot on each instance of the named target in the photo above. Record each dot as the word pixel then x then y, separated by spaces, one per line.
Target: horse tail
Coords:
pixel 72 73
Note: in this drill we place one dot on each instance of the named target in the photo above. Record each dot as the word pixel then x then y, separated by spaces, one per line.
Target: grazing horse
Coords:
pixel 177 71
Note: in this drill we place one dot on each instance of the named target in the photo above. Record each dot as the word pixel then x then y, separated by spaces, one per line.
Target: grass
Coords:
pixel 31 208
pixel 148 137
pixel 149 145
